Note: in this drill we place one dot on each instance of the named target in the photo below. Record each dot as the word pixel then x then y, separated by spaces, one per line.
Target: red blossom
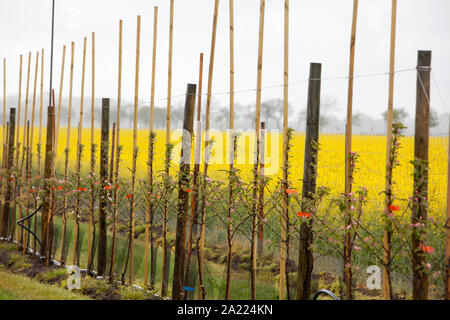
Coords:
pixel 291 191
pixel 427 249
pixel 306 215
pixel 394 208
pixel 129 196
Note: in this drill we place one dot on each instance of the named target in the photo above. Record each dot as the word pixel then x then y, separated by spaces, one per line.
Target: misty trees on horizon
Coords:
pixel 271 114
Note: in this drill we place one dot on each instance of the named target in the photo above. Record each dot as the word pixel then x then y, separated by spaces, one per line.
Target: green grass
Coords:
pixel 5 295
pixel 17 287
pixel 214 274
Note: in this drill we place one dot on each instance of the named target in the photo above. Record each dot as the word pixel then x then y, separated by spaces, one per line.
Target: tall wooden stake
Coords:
pixel 149 209
pixel 25 118
pixel 254 229
pixel 116 169
pixel 76 233
pixel 165 264
pixel 285 156
pixel 91 231
pixel 41 101
pixel 348 150
pixel 207 127
pixel 20 168
pixel 387 290
pixel 195 196
pixel 66 160
pixel 231 155
pixel 135 149
pixel 18 113
pixel 33 111
pixel 59 98
pixel 261 191
pixel 27 185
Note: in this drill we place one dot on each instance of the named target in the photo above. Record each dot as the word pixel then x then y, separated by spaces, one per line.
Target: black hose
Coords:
pixel 325 292
pixel 26 228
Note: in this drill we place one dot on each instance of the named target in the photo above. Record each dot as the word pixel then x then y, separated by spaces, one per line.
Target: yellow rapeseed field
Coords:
pixel 370 174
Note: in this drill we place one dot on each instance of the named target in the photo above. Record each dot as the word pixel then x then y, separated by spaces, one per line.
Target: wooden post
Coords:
pixel 25 118
pixel 387 290
pixel 33 111
pixel 231 146
pixel 9 165
pixel 116 169
pixel 207 127
pixel 210 78
pixel 189 280
pixel 284 203
pixel 255 210
pixel 21 164
pixel 46 206
pixel 103 205
pixel 165 265
pixel 39 144
pixel 18 113
pixel 66 160
pixel 93 91
pixel 149 206
pixel 59 98
pixel 111 158
pixel 91 231
pixel 305 253
pixel 348 150
pixel 169 82
pixel 421 149
pixel 51 215
pixel 261 191
pixel 195 187
pixel 40 112
pixel 135 150
pixel 183 196
pixel 24 236
pixel 76 233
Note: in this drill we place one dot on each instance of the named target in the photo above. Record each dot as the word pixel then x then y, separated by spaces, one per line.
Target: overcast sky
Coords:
pixel 319 32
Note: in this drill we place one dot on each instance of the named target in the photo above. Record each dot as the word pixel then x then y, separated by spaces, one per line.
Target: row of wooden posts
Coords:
pixel 305 253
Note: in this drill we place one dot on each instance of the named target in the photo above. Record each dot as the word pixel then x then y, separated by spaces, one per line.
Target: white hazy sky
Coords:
pixel 319 32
